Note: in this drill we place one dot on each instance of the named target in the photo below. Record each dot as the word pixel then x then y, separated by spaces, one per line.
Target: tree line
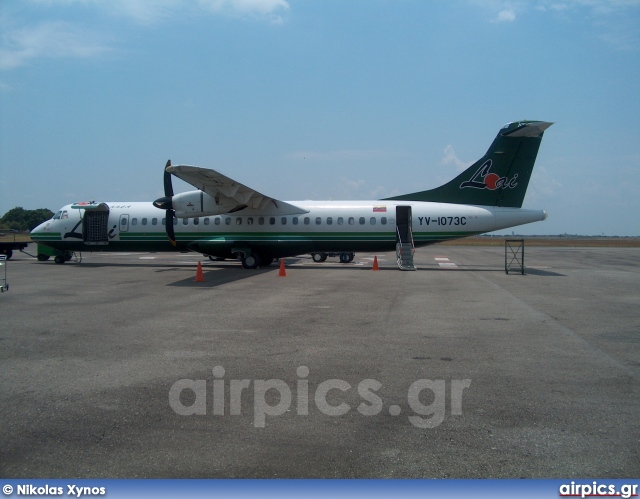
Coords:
pixel 20 219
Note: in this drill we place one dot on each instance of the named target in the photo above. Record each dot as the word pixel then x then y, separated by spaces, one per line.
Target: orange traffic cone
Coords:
pixel 199 275
pixel 375 263
pixel 282 272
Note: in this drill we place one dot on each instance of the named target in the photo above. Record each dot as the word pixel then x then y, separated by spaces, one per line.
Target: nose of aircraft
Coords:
pixel 39 228
pixel 40 231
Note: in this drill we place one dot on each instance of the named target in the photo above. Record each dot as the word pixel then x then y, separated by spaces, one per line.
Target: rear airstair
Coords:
pixel 405 246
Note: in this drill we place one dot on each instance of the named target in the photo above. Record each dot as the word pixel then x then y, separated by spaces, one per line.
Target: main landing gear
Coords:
pixel 60 259
pixel 253 261
pixel 344 257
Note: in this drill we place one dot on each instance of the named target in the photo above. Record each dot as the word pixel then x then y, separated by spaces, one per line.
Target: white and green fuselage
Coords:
pixel 328 226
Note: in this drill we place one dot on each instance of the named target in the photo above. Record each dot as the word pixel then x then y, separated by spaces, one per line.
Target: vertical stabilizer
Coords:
pixel 500 177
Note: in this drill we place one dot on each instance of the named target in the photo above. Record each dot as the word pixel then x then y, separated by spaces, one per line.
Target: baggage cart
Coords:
pixel 4 285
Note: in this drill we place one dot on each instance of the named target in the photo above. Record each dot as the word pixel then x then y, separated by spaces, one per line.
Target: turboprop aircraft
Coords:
pixel 226 219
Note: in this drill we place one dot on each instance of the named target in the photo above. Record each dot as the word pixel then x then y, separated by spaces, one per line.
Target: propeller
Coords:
pixel 165 203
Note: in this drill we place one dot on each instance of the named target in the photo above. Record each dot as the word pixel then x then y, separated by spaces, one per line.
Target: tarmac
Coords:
pixel 123 366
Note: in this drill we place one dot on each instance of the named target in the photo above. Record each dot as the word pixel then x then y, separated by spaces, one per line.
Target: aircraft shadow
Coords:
pixel 218 278
pixel 540 272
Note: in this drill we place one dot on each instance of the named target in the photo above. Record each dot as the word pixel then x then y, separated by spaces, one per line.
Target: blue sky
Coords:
pixel 326 99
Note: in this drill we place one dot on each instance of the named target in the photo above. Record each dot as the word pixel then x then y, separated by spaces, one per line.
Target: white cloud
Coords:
pixel 506 15
pixel 153 11
pixel 48 40
pixel 543 185
pixel 450 158
pixel 272 10
pixel 143 11
pixel 61 39
pixel 614 21
pixel 505 11
pixel 359 189
pixel 341 155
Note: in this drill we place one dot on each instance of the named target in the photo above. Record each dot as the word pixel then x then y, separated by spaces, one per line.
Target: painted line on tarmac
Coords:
pixel 444 262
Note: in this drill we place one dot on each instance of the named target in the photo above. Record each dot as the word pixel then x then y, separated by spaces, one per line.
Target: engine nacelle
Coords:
pixel 199 204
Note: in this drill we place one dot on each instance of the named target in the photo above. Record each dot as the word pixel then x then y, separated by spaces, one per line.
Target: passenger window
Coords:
pixel 217 220
pixel 144 221
pixel 261 221
pixel 134 221
pixel 352 220
pixel 318 220
pixel 329 220
pixel 185 221
pixel 206 221
pixel 340 220
pixel 238 221
pixel 284 220
pixel 175 222
pixel 383 220
pixel 123 221
pixel 373 220
pixel 227 221
pixel 196 221
pixel 164 221
pixel 294 220
pixel 154 221
pixel 250 221
pixel 307 221
pixel 361 220
pixel 272 220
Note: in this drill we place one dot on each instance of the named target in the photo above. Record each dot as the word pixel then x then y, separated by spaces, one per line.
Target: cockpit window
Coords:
pixel 57 216
pixel 65 215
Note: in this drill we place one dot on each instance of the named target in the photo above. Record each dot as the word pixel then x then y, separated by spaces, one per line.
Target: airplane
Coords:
pixel 226 219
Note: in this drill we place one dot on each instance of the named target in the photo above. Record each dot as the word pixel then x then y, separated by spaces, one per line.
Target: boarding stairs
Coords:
pixel 405 251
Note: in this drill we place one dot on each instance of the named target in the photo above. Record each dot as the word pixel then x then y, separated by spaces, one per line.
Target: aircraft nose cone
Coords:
pixel 164 203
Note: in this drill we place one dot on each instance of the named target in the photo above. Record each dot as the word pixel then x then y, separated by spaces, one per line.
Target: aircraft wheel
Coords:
pixel 42 257
pixel 59 259
pixel 344 258
pixel 351 256
pixel 318 257
pixel 251 262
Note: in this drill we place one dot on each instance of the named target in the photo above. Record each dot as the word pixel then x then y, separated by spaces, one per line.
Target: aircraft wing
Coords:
pixel 218 185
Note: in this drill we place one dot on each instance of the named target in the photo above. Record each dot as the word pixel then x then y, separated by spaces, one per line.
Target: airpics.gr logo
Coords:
pixel 482 179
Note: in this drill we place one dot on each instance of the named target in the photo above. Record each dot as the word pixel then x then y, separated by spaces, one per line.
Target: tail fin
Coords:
pixel 500 177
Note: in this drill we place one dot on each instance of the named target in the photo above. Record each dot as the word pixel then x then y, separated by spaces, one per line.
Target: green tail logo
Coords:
pixel 491 181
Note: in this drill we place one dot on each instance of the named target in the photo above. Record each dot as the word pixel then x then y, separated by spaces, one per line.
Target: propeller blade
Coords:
pixel 170 216
pixel 168 186
pixel 166 203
